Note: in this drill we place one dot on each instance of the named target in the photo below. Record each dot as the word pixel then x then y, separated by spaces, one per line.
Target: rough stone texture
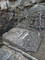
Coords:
pixel 35 15
pixel 19 2
pixel 26 13
pixel 6 21
pixel 22 38
pixel 30 16
pixel 31 1
pixel 4 4
pixel 17 55
pixel 6 55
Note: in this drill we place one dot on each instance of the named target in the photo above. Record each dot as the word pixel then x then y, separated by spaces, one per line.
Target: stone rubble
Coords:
pixel 30 16
pixel 25 15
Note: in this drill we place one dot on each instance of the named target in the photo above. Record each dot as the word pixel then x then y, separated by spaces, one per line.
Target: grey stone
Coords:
pixel 31 16
pixel 14 55
pixel 18 2
pixel 32 1
pixel 19 56
pixel 28 4
pixel 34 15
pixel 6 55
pixel 22 38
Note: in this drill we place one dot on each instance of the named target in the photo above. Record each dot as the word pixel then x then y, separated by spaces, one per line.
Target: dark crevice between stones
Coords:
pixel 6 21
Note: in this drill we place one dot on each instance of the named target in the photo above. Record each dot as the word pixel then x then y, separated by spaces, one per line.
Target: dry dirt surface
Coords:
pixel 40 54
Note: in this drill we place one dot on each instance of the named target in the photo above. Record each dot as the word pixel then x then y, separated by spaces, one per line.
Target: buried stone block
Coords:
pixel 22 38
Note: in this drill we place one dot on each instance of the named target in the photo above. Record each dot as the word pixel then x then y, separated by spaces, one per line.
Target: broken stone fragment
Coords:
pixel 32 17
pixel 6 55
pixel 27 4
pixel 17 3
pixel 15 55
pixel 35 16
pixel 4 4
pixel 32 1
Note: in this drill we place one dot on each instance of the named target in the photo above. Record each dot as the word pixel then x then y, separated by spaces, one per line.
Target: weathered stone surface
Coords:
pixel 6 21
pixel 35 16
pixel 4 4
pixel 22 38
pixel 6 55
pixel 31 16
pixel 17 55
pixel 32 1
pixel 16 3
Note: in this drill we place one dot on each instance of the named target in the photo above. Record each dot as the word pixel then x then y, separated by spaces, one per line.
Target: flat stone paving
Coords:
pixel 22 38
